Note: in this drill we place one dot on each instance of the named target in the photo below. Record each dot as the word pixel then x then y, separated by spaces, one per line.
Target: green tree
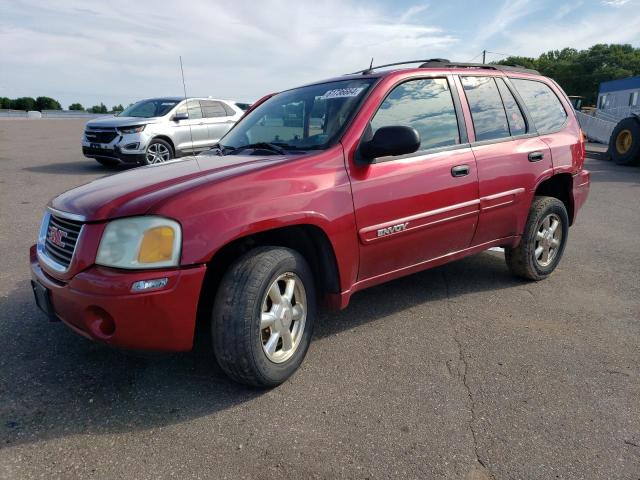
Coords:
pixel 23 103
pixel 5 102
pixel 102 108
pixel 117 108
pixel 76 106
pixel 580 72
pixel 47 103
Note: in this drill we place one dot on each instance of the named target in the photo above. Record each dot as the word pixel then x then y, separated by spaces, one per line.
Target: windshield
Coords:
pixel 149 108
pixel 307 118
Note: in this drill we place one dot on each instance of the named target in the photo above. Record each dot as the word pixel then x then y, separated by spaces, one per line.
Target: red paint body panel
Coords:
pixel 218 200
pixel 155 320
pixel 507 180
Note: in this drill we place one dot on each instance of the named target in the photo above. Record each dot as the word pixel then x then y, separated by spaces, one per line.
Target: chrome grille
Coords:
pixel 60 239
pixel 100 134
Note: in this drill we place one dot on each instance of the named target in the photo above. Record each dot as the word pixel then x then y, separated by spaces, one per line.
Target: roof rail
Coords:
pixel 369 70
pixel 441 63
pixel 444 63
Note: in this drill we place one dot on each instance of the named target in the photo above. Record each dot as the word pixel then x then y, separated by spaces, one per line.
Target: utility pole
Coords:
pixel 484 56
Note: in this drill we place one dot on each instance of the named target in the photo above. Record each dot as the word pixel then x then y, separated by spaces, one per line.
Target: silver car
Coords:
pixel 159 129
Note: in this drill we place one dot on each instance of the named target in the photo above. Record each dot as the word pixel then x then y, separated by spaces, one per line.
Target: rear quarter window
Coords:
pixel 545 107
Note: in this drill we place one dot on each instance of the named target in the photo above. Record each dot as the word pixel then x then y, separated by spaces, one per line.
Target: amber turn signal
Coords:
pixel 157 245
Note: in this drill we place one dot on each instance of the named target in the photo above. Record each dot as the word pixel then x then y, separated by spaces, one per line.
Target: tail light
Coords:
pixel 582 151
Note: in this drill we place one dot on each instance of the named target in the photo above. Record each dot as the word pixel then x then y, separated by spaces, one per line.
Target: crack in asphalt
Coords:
pixel 463 378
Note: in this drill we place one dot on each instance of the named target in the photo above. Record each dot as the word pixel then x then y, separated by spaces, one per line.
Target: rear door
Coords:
pixel 217 119
pixel 414 208
pixel 509 155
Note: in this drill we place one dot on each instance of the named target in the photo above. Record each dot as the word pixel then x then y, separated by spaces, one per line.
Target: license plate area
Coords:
pixel 43 300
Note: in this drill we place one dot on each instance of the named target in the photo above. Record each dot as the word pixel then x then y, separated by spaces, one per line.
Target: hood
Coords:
pixel 121 121
pixel 136 191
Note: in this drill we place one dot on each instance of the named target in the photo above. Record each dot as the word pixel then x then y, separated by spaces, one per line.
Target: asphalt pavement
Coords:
pixel 460 372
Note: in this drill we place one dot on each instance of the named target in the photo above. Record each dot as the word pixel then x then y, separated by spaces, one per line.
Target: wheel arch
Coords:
pixel 166 139
pixel 559 186
pixel 311 241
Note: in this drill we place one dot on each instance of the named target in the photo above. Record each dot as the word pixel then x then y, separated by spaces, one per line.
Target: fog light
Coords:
pixel 131 146
pixel 145 285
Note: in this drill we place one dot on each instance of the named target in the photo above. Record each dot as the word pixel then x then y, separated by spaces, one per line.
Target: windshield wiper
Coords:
pixel 262 146
pixel 222 149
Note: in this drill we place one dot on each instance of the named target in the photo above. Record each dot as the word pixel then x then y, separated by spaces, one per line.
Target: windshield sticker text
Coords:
pixel 343 92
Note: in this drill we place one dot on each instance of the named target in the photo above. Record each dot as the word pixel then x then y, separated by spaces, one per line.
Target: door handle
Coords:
pixel 536 156
pixel 460 171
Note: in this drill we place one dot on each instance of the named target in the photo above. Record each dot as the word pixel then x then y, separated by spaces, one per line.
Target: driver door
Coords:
pixel 414 208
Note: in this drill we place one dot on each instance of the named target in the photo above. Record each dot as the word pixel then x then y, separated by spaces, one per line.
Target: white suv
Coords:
pixel 159 129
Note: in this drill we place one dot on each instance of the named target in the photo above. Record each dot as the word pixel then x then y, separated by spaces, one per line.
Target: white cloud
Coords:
pixel 615 3
pixel 240 49
pixel 119 51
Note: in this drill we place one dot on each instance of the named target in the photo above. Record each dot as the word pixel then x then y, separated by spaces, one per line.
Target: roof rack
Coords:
pixel 444 63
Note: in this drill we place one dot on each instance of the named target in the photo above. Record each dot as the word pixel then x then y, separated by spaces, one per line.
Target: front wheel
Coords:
pixel 263 316
pixel 543 241
pixel 158 151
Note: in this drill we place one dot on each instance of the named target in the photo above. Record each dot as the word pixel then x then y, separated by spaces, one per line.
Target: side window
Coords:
pixel 487 111
pixel 212 109
pixel 193 109
pixel 517 125
pixel 229 111
pixel 544 106
pixel 425 105
pixel 603 99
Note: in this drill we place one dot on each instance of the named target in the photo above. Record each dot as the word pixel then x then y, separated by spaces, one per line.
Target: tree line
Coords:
pixel 580 72
pixel 48 103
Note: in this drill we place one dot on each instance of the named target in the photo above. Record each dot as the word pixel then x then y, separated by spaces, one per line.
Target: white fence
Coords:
pixel 51 114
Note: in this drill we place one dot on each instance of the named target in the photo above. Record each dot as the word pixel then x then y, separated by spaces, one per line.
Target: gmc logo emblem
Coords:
pixel 57 236
pixel 393 229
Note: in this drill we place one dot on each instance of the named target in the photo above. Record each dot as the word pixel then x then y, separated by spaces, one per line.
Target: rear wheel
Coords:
pixel 263 316
pixel 624 145
pixel 543 241
pixel 158 151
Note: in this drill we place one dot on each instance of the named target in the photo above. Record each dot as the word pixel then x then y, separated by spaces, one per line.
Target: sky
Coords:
pixel 120 51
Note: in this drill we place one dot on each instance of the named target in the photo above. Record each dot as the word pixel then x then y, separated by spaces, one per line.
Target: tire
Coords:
pixel 108 162
pixel 158 151
pixel 525 261
pixel 245 299
pixel 624 145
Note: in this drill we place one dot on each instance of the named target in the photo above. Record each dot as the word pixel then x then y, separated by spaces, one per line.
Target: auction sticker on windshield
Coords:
pixel 343 92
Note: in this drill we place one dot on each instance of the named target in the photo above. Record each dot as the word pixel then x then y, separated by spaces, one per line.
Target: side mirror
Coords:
pixel 180 116
pixel 387 141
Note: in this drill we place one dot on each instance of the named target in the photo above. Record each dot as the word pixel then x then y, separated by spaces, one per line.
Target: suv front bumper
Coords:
pixel 98 304
pixel 114 154
pixel 126 148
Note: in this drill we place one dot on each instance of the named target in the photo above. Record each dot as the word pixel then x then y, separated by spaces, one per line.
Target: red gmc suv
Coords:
pixel 318 192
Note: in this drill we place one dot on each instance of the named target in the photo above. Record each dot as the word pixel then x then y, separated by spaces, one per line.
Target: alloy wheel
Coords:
pixel 548 240
pixel 283 317
pixel 158 153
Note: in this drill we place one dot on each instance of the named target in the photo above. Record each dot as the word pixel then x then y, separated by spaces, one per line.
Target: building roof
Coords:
pixel 628 83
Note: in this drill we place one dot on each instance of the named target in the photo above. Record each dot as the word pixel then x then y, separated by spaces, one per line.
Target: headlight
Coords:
pixel 134 129
pixel 140 242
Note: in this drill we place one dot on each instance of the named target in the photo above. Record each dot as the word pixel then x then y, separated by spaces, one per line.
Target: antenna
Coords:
pixel 184 89
pixel 368 70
